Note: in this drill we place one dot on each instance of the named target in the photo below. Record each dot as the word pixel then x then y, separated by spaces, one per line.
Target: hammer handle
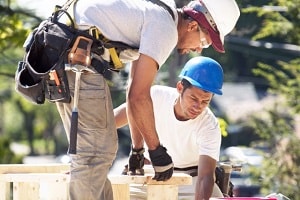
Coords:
pixel 74 118
pixel 73 133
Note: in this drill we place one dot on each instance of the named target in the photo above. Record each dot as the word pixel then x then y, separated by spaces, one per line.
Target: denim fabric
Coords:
pixel 97 140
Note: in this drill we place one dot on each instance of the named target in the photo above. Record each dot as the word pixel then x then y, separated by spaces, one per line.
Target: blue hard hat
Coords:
pixel 204 73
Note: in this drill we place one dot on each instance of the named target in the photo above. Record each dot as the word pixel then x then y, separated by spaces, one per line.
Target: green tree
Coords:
pixel 6 155
pixel 280 172
pixel 22 120
pixel 280 21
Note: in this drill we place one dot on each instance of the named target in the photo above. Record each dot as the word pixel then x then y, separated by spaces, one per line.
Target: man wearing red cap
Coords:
pixel 207 14
pixel 153 28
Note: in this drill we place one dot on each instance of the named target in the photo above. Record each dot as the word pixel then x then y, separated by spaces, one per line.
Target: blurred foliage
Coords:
pixel 280 172
pixel 12 31
pixel 23 121
pixel 276 125
pixel 6 155
pixel 280 19
pixel 223 126
pixel 278 128
pixel 284 80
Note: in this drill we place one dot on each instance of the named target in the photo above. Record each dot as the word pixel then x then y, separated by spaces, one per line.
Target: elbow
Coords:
pixel 134 98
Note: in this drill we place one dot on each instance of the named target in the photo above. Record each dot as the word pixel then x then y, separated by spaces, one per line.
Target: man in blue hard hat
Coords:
pixel 185 124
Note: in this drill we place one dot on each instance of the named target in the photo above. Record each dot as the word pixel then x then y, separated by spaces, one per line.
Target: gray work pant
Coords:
pixel 97 140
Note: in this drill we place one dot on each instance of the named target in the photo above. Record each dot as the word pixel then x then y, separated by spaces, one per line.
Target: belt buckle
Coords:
pixel 93 31
pixel 81 52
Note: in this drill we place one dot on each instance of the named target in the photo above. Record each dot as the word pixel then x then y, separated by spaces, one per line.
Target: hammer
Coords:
pixel 79 59
pixel 78 69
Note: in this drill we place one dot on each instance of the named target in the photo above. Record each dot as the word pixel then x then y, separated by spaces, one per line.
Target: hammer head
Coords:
pixel 78 68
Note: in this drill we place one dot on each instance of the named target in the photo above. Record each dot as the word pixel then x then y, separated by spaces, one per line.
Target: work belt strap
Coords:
pixel 192 171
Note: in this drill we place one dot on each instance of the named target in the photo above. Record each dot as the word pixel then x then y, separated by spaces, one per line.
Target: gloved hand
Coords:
pixel 162 163
pixel 136 162
pixel 125 170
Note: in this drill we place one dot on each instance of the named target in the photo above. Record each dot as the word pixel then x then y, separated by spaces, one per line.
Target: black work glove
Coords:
pixel 125 170
pixel 162 163
pixel 136 162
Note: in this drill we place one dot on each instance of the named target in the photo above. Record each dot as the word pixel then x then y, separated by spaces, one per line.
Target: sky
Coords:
pixel 43 8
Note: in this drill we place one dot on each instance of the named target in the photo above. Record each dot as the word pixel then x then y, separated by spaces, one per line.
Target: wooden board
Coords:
pixel 27 179
pixel 176 179
pixel 34 168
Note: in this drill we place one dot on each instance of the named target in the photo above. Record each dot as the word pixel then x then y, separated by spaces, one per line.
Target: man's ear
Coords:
pixel 193 25
pixel 179 87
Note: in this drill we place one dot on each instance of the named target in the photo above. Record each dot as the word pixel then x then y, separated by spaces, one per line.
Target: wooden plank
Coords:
pixel 176 179
pixel 5 190
pixel 26 190
pixel 28 184
pixel 54 191
pixel 34 168
pixel 162 192
pixel 121 191
pixel 35 177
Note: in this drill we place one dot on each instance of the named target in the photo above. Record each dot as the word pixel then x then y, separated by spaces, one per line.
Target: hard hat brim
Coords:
pixel 216 37
pixel 202 87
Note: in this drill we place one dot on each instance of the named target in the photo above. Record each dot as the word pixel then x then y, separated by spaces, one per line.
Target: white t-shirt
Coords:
pixel 138 23
pixel 184 140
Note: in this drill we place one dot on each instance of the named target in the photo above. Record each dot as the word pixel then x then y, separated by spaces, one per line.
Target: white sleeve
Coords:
pixel 209 137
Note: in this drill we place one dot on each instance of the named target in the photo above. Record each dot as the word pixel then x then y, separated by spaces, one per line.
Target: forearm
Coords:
pixel 141 119
pixel 120 115
pixel 139 103
pixel 204 188
pixel 206 177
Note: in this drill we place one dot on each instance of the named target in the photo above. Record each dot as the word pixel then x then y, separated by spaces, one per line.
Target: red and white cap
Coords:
pixel 218 17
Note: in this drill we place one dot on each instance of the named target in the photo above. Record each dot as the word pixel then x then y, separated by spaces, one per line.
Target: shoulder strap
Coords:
pixel 165 6
pixel 61 10
pixel 68 4
pixel 70 7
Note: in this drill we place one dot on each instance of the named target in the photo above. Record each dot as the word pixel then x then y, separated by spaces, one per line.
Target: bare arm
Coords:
pixel 206 173
pixel 120 115
pixel 139 103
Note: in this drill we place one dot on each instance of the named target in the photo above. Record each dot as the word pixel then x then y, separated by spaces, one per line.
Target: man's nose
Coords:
pixel 197 106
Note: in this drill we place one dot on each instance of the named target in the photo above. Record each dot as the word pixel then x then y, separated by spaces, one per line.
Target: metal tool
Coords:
pixel 79 60
pixel 78 69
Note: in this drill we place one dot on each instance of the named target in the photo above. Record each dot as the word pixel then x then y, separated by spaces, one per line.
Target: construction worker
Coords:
pixel 186 126
pixel 154 28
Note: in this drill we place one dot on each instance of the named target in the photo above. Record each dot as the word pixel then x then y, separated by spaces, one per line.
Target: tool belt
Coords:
pixel 49 48
pixel 53 45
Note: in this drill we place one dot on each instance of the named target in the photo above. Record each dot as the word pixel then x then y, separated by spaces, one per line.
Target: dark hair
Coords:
pixel 186 16
pixel 186 84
